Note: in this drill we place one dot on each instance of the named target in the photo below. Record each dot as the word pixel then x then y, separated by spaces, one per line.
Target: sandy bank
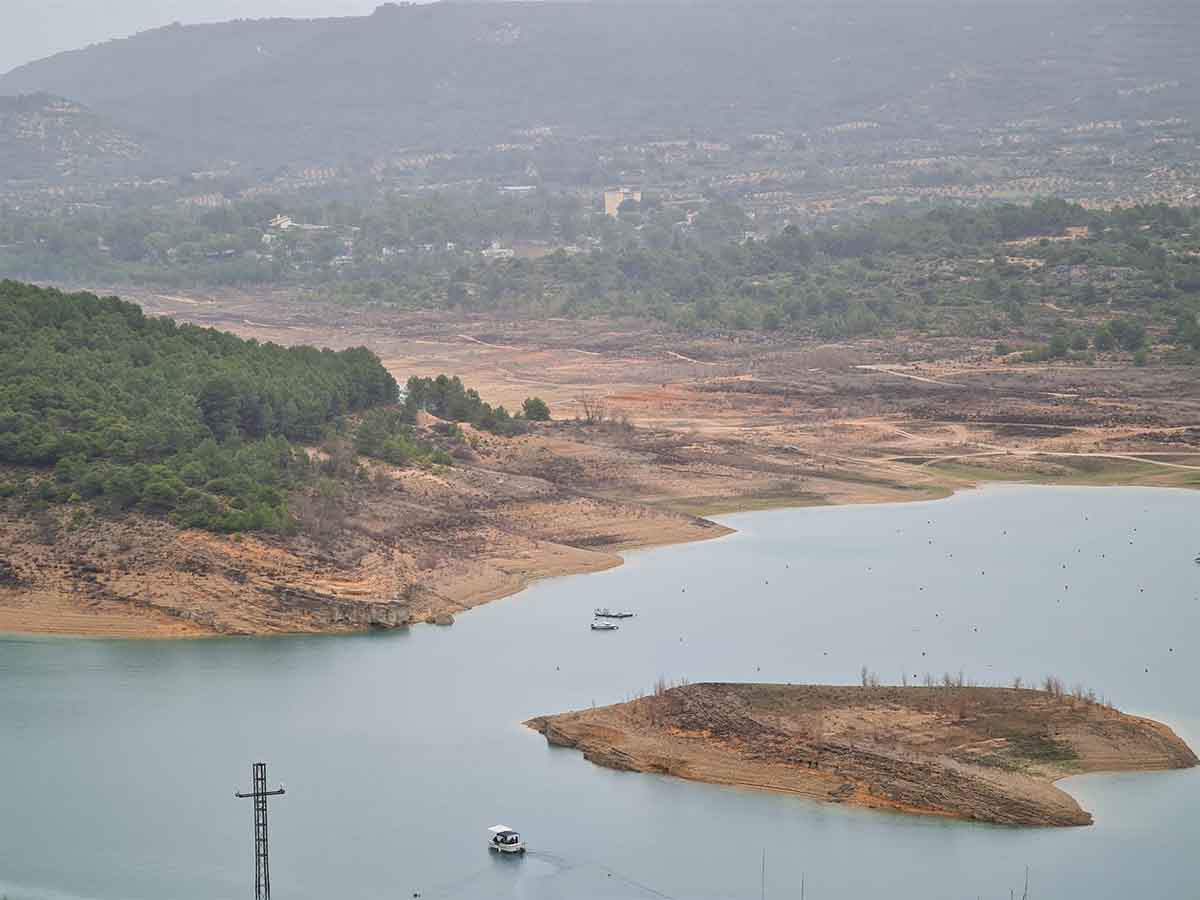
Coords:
pixel 986 754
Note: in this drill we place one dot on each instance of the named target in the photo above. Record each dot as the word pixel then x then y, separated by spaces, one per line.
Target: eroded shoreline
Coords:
pixel 741 426
pixel 142 578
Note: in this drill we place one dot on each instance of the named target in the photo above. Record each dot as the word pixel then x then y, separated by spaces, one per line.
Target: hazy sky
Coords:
pixel 31 29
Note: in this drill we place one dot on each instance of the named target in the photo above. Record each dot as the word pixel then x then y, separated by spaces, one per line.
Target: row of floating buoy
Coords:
pixel 983 572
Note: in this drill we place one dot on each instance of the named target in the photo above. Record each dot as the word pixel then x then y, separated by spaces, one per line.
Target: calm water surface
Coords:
pixel 118 760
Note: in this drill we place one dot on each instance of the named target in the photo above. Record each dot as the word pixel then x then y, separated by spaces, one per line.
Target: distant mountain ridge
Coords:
pixel 286 90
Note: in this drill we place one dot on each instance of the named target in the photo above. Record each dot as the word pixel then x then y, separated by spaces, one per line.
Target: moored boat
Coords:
pixel 606 613
pixel 604 626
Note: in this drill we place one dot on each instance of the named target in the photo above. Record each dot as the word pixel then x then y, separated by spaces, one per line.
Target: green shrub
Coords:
pixel 535 409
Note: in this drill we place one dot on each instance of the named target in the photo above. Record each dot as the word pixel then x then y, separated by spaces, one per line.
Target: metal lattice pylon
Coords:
pixel 262 865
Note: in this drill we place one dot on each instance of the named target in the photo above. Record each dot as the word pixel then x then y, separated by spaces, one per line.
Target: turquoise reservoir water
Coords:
pixel 118 760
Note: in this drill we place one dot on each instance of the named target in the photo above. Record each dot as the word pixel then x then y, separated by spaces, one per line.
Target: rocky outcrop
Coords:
pixel 335 612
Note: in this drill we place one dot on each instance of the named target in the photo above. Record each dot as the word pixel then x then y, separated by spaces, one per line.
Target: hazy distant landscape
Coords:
pixel 470 75
pixel 322 326
pixel 448 170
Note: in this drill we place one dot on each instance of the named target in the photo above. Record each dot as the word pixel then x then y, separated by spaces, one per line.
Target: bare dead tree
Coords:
pixel 594 408
pixel 1053 685
pixel 868 678
pixel 322 511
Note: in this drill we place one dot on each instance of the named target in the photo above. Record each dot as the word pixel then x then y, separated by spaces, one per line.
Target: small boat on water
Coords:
pixel 505 840
pixel 604 626
pixel 606 613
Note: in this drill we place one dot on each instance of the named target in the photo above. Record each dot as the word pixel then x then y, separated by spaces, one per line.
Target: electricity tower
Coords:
pixel 259 792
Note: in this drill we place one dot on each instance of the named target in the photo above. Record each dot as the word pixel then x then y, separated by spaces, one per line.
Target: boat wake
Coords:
pixel 542 875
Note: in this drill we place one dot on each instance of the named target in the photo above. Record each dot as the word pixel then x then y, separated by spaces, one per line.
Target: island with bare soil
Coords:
pixel 981 753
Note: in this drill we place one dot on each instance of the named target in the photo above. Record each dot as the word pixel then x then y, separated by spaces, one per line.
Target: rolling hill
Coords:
pixel 277 91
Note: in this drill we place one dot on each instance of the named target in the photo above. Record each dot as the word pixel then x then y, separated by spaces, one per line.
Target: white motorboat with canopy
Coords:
pixel 505 840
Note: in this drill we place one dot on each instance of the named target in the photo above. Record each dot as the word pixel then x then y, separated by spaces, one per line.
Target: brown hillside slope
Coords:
pixel 989 754
pixel 411 545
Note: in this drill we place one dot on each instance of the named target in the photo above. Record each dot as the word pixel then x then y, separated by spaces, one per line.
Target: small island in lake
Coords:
pixel 988 754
